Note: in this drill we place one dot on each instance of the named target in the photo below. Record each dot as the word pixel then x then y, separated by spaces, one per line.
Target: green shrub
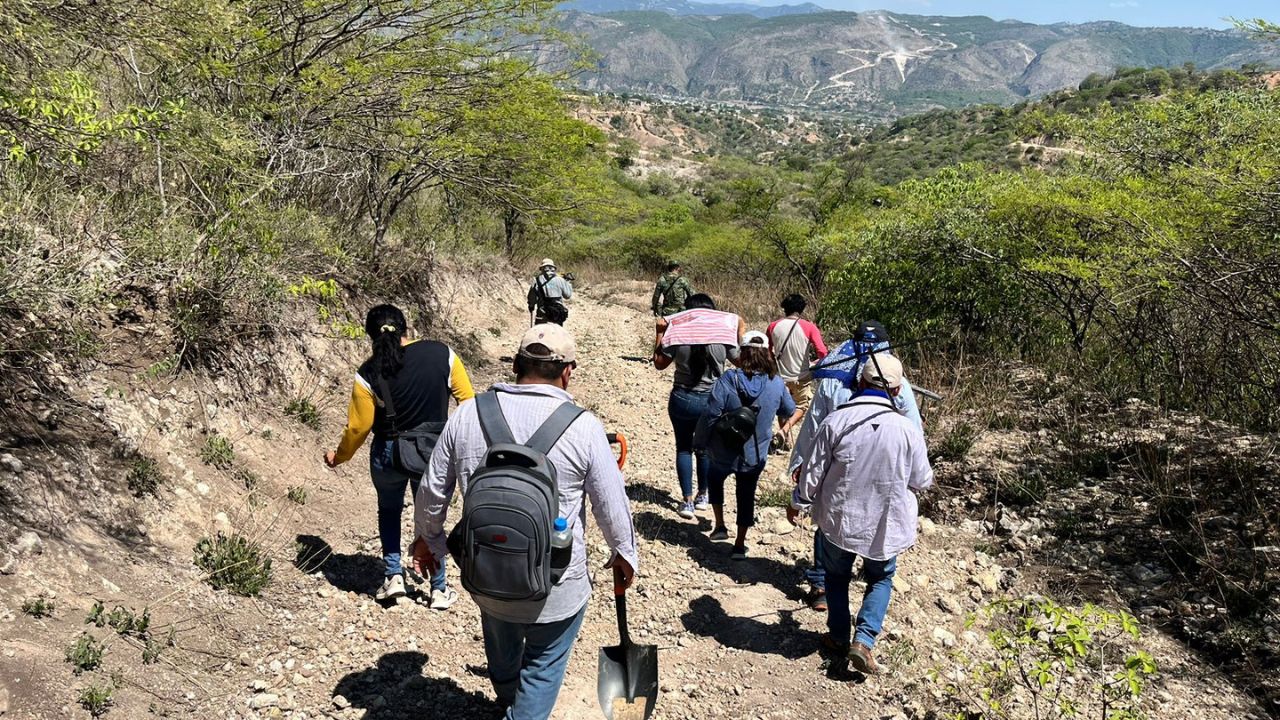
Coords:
pixel 234 563
pixel 97 615
pixel 218 452
pixel 298 494
pixel 124 620
pixel 304 411
pixel 144 477
pixel 1055 661
pixel 955 445
pixel 153 648
pixel 96 699
pixel 85 653
pixel 774 495
pixel 246 477
pixel 38 607
pixel 1027 489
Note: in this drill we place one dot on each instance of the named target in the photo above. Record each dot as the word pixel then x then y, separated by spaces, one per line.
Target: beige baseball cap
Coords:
pixel 883 371
pixel 554 338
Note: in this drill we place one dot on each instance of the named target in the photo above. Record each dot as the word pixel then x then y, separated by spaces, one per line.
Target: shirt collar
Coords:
pixel 871 396
pixel 545 390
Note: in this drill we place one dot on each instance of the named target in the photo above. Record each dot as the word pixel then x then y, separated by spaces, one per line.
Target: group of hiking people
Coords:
pixel 525 459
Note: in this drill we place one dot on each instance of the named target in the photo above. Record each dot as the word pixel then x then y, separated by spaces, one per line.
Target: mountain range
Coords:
pixel 685 7
pixel 878 64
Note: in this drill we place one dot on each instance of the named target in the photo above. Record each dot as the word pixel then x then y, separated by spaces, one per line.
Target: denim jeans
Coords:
pixel 816 575
pixel 390 484
pixel 686 408
pixel 744 490
pixel 878 574
pixel 527 662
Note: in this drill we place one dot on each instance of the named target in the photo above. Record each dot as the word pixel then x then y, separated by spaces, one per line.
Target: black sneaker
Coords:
pixel 739 552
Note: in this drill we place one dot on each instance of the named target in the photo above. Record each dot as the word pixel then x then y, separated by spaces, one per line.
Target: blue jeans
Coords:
pixel 686 408
pixel 878 575
pixel 390 484
pixel 816 575
pixel 744 490
pixel 527 662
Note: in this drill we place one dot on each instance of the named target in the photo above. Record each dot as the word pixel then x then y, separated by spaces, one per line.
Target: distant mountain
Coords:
pixel 684 7
pixel 877 64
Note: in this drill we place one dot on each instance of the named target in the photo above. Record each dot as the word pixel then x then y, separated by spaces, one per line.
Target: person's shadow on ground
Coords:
pixel 714 556
pixel 349 573
pixel 707 617
pixel 644 492
pixel 396 689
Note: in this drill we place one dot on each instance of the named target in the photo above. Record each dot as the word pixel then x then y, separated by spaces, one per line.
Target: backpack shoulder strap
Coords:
pixel 782 348
pixel 554 427
pixel 388 405
pixel 492 422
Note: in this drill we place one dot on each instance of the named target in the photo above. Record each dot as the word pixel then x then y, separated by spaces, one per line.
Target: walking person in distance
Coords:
pixel 795 342
pixel 548 293
pixel 671 293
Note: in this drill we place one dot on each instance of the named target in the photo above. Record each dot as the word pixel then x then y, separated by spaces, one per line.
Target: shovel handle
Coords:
pixel 620 602
pixel 621 441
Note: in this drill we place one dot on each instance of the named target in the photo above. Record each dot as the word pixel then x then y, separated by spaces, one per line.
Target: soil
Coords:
pixel 735 639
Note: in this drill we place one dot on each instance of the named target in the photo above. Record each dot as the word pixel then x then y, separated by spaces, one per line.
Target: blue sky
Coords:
pixel 1201 13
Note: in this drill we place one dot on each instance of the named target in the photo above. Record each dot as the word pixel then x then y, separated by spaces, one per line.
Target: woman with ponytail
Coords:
pixel 403 388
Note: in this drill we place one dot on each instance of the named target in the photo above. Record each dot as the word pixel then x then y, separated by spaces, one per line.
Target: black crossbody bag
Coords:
pixel 411 448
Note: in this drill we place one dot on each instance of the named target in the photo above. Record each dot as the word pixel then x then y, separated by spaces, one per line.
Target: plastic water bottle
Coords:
pixel 561 537
pixel 561 547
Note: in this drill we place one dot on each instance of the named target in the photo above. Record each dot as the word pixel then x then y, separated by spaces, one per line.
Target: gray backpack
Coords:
pixel 503 541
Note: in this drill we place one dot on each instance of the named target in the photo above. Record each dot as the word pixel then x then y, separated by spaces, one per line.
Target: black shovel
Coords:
pixel 628 682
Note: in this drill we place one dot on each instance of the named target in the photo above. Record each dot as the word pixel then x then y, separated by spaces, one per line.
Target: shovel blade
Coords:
pixel 628 681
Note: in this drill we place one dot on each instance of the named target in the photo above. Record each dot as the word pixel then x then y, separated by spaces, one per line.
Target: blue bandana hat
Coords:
pixel 846 363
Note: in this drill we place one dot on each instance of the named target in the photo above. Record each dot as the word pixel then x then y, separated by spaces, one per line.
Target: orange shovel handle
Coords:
pixel 621 441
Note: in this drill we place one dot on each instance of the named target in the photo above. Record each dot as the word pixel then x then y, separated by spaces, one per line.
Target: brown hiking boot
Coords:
pixel 862 661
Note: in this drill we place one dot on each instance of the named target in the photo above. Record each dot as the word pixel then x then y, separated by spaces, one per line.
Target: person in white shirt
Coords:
pixel 859 483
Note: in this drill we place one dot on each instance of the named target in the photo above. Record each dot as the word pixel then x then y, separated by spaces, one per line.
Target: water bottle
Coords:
pixel 561 548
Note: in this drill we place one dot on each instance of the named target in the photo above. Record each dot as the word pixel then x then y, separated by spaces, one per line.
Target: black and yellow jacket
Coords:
pixel 420 392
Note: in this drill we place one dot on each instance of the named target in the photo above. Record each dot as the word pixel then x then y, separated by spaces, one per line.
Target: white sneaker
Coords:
pixel 701 502
pixel 442 599
pixel 686 511
pixel 392 587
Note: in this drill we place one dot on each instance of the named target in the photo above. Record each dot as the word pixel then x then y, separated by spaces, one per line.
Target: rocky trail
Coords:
pixel 735 639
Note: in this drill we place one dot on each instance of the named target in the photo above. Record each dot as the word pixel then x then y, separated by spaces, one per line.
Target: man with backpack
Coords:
pixel 547 294
pixel 859 482
pixel 791 337
pixel 526 459
pixel 670 292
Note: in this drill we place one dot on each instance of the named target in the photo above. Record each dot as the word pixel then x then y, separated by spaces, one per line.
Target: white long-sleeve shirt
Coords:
pixel 857 483
pixel 585 468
